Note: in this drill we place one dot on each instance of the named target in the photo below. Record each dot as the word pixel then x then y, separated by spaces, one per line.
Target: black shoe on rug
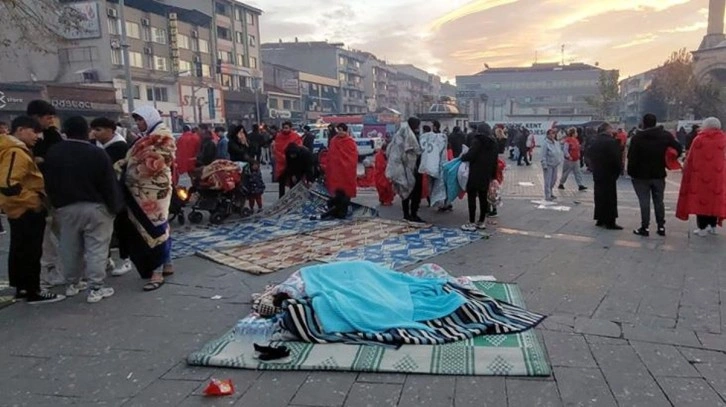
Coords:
pixel 661 232
pixel 642 232
pixel 561 187
pixel 416 219
pixel 614 226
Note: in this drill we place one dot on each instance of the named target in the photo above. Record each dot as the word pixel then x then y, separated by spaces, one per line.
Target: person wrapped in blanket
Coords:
pixel 221 175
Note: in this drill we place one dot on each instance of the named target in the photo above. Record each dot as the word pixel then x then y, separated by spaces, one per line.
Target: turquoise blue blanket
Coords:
pixel 361 296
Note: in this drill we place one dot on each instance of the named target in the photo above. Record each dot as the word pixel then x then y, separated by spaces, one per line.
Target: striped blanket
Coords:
pixel 480 315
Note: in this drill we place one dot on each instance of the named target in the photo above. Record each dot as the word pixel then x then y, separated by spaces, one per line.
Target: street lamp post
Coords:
pixel 257 101
pixel 127 63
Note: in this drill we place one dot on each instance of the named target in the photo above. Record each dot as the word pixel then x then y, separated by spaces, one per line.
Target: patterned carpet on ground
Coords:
pixel 288 216
pixel 519 354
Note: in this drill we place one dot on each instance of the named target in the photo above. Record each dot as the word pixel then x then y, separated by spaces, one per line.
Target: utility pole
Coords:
pixel 127 62
pixel 257 100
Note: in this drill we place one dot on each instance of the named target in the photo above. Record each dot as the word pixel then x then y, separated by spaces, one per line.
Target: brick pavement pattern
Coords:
pixel 631 322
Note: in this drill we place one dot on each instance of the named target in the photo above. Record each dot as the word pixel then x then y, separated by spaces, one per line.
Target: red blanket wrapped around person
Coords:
pixel 221 175
pixel 368 179
pixel 187 149
pixel 672 162
pixel 383 185
pixel 501 166
pixel 341 171
pixel 282 140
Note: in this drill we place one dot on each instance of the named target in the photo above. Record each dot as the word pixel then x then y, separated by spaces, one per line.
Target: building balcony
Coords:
pixel 350 68
pixel 352 85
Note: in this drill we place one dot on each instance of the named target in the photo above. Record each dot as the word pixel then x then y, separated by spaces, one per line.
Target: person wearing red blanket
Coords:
pixel 383 185
pixel 187 149
pixel 283 139
pixel 703 187
pixel 342 166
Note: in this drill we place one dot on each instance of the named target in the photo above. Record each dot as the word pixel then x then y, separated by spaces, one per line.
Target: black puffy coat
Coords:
pixel 482 159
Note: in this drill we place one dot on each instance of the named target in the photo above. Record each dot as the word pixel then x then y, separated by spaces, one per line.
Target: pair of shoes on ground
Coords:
pixel 94 295
pixel 580 188
pixel 414 219
pixel 39 298
pixel 473 227
pixel 705 232
pixel 645 232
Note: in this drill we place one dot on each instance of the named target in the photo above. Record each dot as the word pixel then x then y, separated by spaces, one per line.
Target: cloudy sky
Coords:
pixel 457 37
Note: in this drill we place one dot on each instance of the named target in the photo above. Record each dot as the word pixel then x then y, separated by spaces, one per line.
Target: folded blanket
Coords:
pixel 365 297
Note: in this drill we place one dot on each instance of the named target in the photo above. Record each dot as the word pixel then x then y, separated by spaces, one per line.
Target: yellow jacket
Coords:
pixel 21 183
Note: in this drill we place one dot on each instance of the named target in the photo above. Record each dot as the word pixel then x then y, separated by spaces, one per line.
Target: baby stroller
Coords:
pixel 219 191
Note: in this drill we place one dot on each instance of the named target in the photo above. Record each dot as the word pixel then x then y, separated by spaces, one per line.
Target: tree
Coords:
pixel 37 25
pixel 675 83
pixel 606 102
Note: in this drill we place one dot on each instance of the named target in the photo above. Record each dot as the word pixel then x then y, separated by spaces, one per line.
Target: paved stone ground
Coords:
pixel 631 322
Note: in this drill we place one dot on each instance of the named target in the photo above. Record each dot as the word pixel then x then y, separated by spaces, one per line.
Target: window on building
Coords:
pixel 185 66
pixel 148 61
pixel 146 34
pixel 296 105
pixel 182 41
pixel 239 14
pixel 342 60
pixel 273 103
pixel 250 18
pixel 161 64
pixel 136 59
pixel 113 26
pixel 117 57
pixel 160 94
pixel 357 64
pixel 226 80
pixel 133 30
pixel 240 37
pixel 137 92
pixel 341 76
pixel 206 71
pixel 287 104
pixel 221 8
pixel 203 46
pixel 253 62
pixel 241 59
pixel 252 40
pixel 160 35
pixel 223 33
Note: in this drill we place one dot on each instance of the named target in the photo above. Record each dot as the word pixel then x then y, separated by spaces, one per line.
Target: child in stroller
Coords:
pixel 219 191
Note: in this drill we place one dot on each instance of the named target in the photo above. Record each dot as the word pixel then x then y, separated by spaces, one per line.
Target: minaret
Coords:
pixel 715 34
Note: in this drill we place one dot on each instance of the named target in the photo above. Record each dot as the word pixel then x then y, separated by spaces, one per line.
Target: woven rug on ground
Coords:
pixel 281 253
pixel 401 251
pixel 288 216
pixel 521 354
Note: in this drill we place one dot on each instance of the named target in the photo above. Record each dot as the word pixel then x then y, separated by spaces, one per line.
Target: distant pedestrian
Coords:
pixel 282 140
pixel 342 165
pixel 256 141
pixel 457 139
pixel 647 168
pixel 704 177
pixel 482 159
pixel 522 146
pixel 222 143
pixel 239 149
pixel 254 186
pixel 383 185
pixel 187 149
pixel 571 165
pixel 692 136
pixel 606 164
pixel 308 138
pixel 552 158
pixel 404 158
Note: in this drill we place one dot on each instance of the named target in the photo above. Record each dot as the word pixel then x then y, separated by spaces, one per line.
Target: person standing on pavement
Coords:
pixel 457 139
pixel 606 165
pixel 522 146
pixel 283 139
pixel 552 158
pixel 239 145
pixel 82 186
pixel 187 148
pixel 342 165
pixel 647 168
pixel 222 143
pixel 703 188
pixel 571 165
pixel 692 136
pixel 404 158
pixel 482 158
pixel 21 198
pixel 103 131
pixel 308 138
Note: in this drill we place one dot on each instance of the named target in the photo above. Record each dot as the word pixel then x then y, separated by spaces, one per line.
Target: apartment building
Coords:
pixel 318 95
pixel 378 78
pixel 329 60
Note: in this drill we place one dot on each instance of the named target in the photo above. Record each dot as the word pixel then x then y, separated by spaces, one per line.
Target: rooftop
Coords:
pixel 194 17
pixel 543 67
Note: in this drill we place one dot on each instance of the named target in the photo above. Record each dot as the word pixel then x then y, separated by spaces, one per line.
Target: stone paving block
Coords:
pixel 17 364
pixel 598 327
pixel 201 401
pixel 324 389
pixel 521 392
pixel 480 392
pixel 699 319
pixel 703 356
pixel 373 395
pixel 651 321
pixel 603 340
pixel 715 375
pixel 390 378
pixel 568 350
pixel 273 389
pixel 37 400
pixel 656 335
pixel 163 393
pixel 712 341
pixel 428 391
pixel 664 360
pixel 560 323
pixel 629 380
pixel 182 371
pixel 690 392
pixel 580 386
pixel 660 302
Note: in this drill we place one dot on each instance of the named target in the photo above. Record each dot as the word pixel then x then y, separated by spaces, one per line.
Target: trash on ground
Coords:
pixel 217 388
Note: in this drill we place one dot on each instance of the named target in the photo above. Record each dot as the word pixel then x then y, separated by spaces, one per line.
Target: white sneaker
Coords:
pixel 97 295
pixel 700 232
pixel 469 227
pixel 481 225
pixel 73 289
pixel 712 230
pixel 110 265
pixel 126 266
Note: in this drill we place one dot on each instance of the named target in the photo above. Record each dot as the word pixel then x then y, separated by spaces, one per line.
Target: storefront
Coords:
pixel 241 108
pixel 87 101
pixel 14 99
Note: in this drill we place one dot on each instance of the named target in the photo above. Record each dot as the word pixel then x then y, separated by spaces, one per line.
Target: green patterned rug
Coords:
pixel 493 355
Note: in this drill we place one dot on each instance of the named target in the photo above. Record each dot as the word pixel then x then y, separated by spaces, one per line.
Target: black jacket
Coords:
pixel 482 159
pixel 646 155
pixel 299 164
pixel 51 137
pixel 457 140
pixel 238 151
pixel 80 172
pixel 605 157
pixel 117 151
pixel 207 152
pixel 309 140
pixel 256 140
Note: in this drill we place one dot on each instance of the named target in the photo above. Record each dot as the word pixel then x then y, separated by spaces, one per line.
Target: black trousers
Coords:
pixel 26 248
pixel 413 202
pixel 606 201
pixel 472 195
pixel 706 221
pixel 523 153
pixel 646 189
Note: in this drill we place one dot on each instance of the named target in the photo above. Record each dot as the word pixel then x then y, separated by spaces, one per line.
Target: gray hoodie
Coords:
pixel 552 154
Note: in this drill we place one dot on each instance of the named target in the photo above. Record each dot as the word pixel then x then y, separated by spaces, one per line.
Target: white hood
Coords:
pixel 150 115
pixel 116 138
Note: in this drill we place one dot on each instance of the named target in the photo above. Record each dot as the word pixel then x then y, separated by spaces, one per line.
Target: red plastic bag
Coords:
pixel 219 388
